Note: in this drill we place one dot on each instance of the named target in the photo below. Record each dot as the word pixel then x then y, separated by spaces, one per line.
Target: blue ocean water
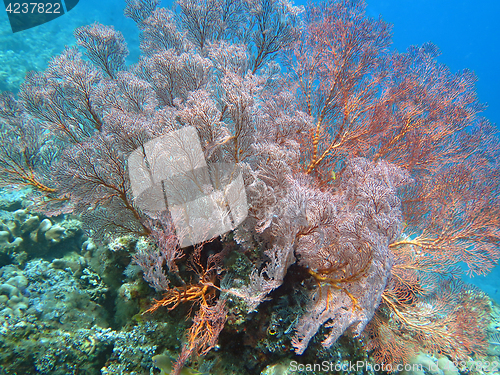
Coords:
pixel 465 31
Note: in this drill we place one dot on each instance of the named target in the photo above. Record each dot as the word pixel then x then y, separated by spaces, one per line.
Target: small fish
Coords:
pixel 166 364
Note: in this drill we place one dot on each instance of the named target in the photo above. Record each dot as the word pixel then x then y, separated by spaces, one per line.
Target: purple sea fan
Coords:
pixel 347 250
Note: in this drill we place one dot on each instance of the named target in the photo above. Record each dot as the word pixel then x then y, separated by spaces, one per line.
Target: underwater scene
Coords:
pixel 245 187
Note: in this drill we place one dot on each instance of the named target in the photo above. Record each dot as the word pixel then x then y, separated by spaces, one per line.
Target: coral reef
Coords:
pixel 25 234
pixel 12 300
pixel 55 318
